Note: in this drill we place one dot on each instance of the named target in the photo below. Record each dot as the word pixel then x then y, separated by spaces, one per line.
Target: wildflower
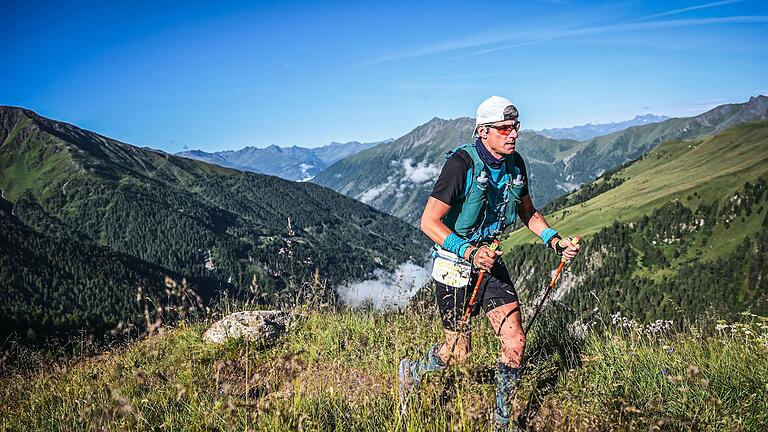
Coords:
pixel 665 371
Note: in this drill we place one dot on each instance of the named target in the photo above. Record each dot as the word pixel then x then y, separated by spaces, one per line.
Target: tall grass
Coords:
pixel 336 370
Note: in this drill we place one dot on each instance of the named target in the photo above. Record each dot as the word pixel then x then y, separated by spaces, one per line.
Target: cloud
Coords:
pixel 543 34
pixel 420 173
pixel 687 9
pixel 371 194
pixel 387 291
pixel 751 19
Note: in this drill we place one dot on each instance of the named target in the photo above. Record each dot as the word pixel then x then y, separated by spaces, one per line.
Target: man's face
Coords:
pixel 499 143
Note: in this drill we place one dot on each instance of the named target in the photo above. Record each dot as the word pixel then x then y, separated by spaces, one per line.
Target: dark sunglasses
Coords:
pixel 506 129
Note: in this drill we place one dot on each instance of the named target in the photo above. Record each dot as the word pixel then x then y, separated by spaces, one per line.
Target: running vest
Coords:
pixel 473 218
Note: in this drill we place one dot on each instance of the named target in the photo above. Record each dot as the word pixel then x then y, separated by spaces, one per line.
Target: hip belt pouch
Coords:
pixel 449 269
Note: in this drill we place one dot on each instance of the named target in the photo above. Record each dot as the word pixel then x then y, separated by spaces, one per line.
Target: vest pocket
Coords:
pixel 471 211
pixel 515 193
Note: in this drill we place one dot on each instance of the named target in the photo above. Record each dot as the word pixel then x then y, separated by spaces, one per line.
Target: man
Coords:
pixel 480 191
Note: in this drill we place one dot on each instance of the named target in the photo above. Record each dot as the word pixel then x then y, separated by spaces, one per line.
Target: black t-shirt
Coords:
pixel 449 187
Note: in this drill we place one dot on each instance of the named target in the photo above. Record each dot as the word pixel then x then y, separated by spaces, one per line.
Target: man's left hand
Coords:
pixel 571 250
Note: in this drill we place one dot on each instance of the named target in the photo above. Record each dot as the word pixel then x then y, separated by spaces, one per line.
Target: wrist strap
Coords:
pixel 559 249
pixel 472 255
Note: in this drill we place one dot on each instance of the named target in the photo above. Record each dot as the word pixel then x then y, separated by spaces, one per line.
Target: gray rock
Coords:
pixel 257 326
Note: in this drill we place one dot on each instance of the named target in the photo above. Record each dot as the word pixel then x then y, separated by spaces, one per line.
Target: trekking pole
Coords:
pixel 465 319
pixel 563 262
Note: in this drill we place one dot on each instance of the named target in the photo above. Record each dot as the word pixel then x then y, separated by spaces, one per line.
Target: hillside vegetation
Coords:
pixel 679 231
pixel 336 371
pixel 231 231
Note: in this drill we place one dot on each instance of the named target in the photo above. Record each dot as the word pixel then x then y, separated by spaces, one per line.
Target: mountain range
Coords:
pixel 148 213
pixel 399 175
pixel 291 163
pixel 588 131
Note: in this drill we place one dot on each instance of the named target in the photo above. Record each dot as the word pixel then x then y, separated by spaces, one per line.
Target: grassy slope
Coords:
pixel 336 371
pixel 713 168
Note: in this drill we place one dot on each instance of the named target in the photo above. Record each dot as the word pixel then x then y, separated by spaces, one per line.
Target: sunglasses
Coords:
pixel 506 129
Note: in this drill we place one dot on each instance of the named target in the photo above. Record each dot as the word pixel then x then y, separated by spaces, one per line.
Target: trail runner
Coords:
pixel 481 190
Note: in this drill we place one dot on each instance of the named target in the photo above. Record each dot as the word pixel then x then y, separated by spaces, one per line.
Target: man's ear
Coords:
pixel 482 131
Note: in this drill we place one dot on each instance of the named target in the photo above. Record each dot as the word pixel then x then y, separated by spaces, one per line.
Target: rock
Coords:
pixel 257 326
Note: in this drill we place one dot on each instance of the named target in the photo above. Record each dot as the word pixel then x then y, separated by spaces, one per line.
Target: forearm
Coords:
pixel 535 221
pixel 432 225
pixel 435 230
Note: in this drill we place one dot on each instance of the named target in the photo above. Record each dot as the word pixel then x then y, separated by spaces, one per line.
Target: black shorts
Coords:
pixel 495 290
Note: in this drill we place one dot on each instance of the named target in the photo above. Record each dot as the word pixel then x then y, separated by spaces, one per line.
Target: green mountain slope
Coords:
pixel 693 172
pixel 397 177
pixel 54 286
pixel 193 218
pixel 680 230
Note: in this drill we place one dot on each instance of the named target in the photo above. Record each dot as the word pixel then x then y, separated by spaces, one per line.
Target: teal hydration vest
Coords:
pixel 477 216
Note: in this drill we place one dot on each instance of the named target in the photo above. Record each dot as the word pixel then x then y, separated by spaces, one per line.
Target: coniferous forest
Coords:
pixel 87 221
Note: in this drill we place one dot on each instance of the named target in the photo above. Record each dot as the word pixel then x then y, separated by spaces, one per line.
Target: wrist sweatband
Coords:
pixel 547 235
pixel 463 248
pixel 454 243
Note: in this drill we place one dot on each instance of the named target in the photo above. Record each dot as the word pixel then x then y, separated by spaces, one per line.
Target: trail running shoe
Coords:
pixel 406 383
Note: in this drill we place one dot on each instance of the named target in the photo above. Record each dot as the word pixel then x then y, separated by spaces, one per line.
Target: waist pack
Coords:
pixel 449 269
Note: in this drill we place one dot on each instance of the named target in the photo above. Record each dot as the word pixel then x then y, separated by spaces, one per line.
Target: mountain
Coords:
pixel 678 232
pixel 53 286
pixel 397 177
pixel 243 231
pixel 290 163
pixel 588 131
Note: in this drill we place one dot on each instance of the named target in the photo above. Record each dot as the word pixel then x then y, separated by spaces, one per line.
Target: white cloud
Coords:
pixel 372 193
pixel 543 33
pixel 421 172
pixel 387 291
pixel 687 9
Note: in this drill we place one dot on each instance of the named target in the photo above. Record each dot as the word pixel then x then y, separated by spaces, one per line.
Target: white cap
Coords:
pixel 495 109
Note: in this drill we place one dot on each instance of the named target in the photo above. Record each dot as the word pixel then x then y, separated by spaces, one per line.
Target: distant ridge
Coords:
pixel 397 177
pixel 588 131
pixel 291 163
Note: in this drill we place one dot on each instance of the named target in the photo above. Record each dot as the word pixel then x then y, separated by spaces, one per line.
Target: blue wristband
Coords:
pixel 463 248
pixel 547 235
pixel 453 243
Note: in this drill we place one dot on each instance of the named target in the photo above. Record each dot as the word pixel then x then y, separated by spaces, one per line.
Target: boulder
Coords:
pixel 264 327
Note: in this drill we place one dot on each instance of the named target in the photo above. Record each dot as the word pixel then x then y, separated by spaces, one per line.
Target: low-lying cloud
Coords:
pixel 388 290
pixel 421 172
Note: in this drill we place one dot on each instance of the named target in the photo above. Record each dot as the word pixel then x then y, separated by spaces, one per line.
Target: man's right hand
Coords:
pixel 485 258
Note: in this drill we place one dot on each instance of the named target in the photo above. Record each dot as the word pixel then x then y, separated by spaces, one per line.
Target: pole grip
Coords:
pixel 575 240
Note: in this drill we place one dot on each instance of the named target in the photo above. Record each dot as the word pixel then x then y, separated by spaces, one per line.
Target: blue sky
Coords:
pixel 221 76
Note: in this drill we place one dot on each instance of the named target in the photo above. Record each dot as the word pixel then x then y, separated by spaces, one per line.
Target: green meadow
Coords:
pixel 336 371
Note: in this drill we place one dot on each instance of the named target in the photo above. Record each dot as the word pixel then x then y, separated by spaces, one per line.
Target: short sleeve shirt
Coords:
pixel 450 185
